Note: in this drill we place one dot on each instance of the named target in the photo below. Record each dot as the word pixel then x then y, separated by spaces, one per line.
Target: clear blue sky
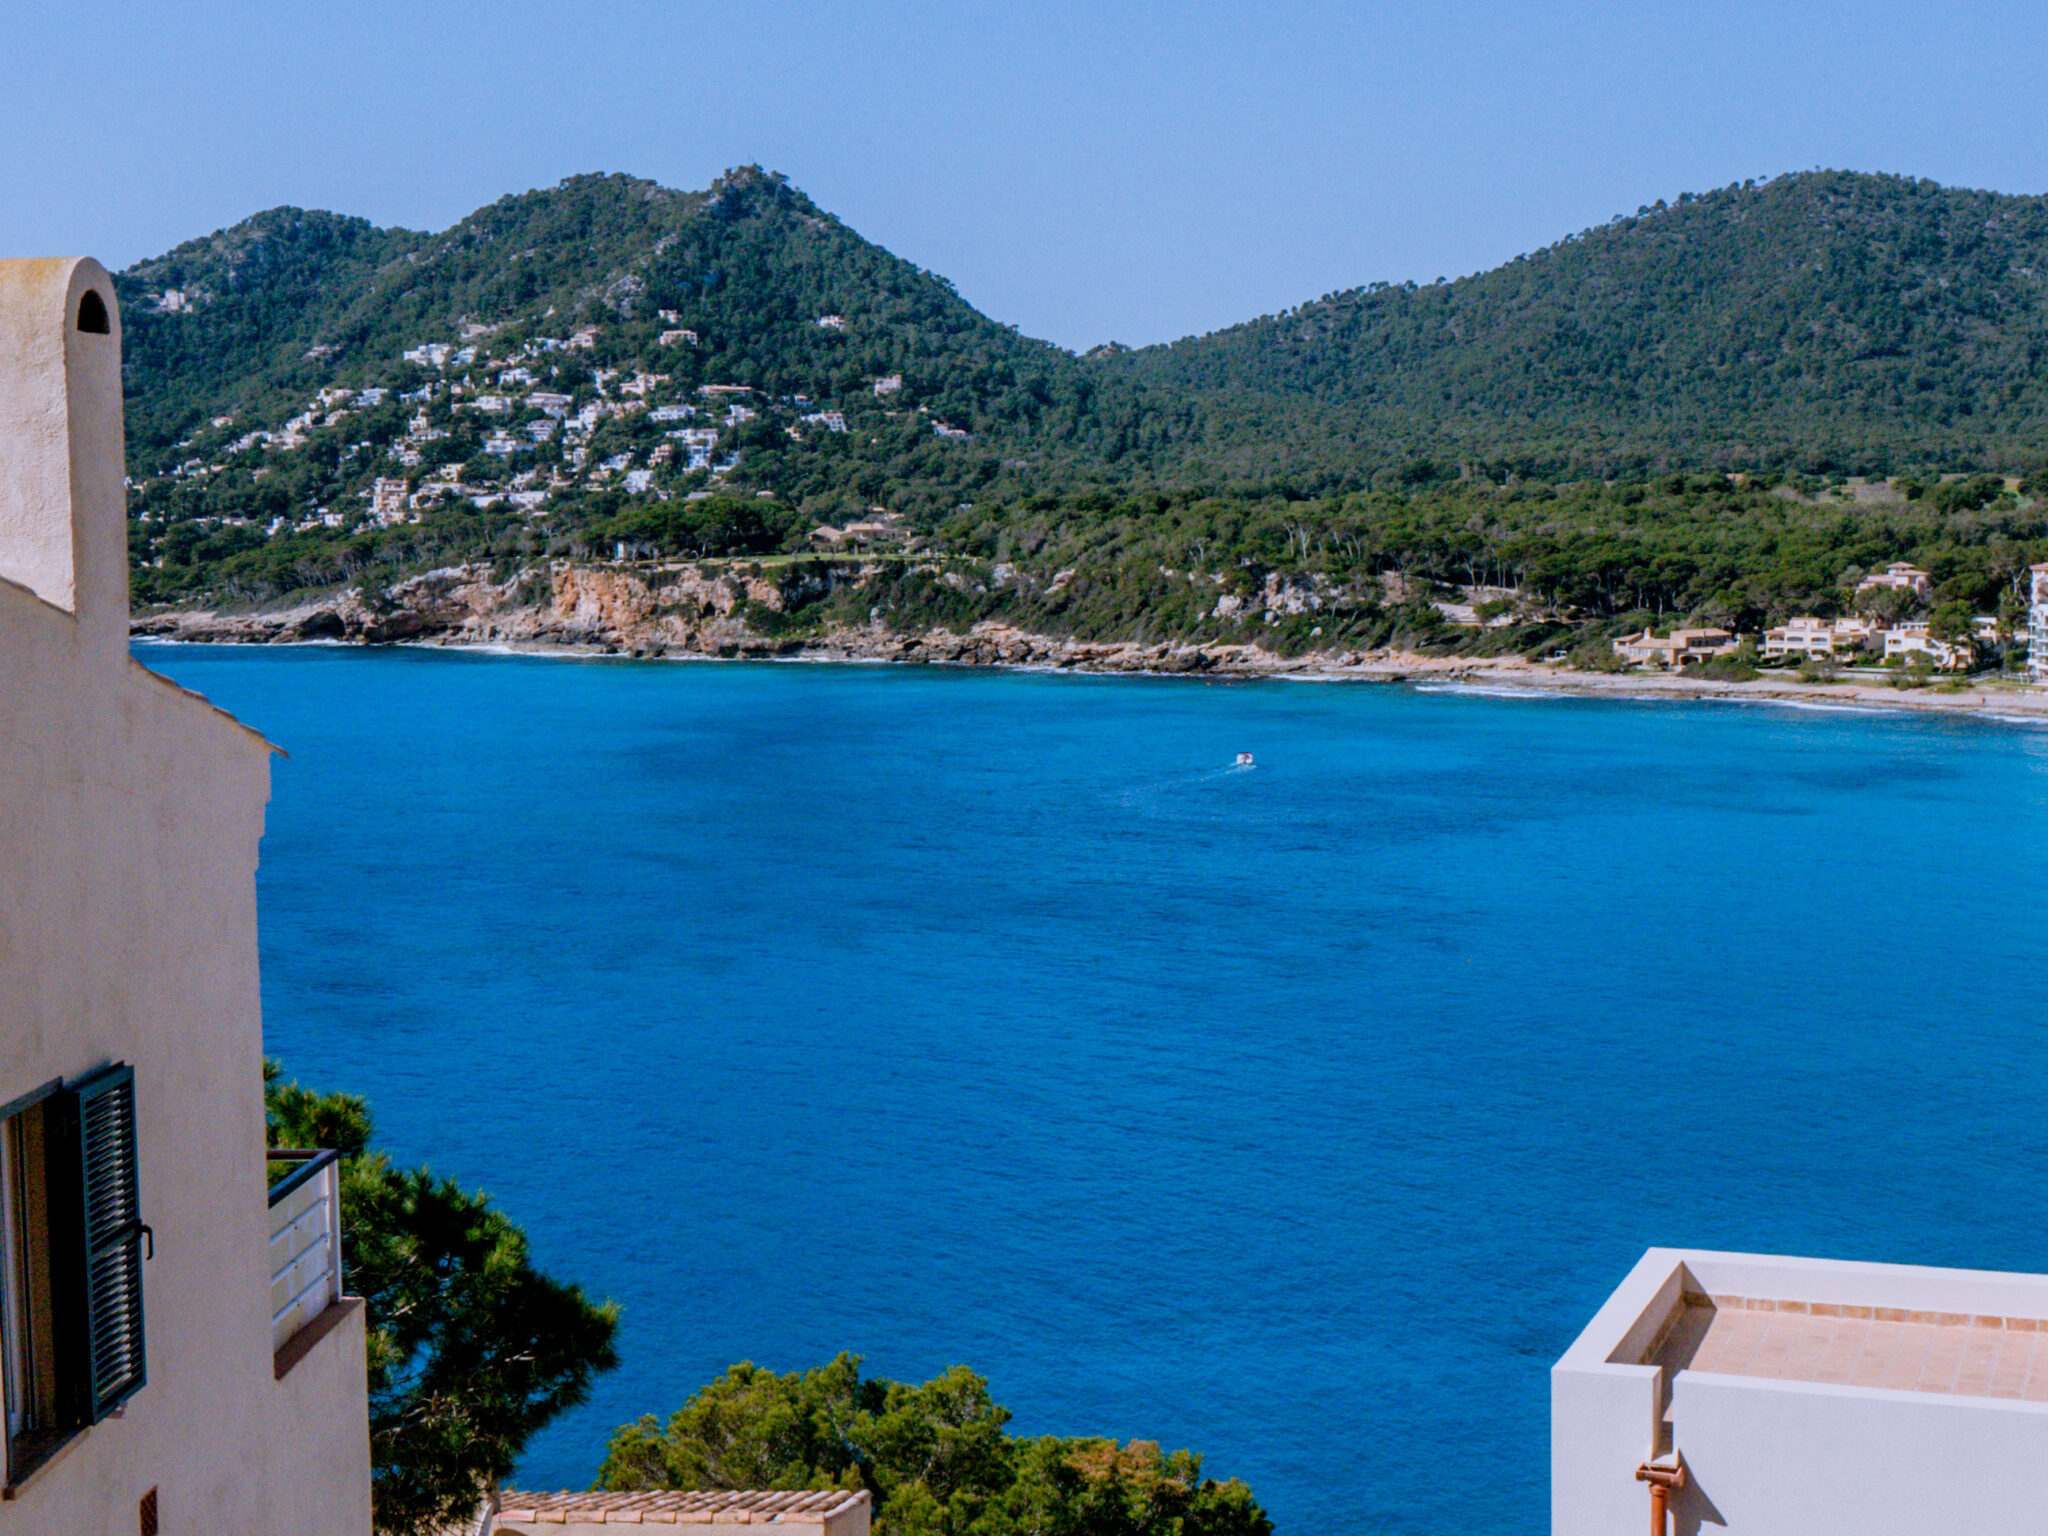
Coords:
pixel 1086 171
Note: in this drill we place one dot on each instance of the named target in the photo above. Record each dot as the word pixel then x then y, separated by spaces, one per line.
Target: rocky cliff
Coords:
pixel 685 610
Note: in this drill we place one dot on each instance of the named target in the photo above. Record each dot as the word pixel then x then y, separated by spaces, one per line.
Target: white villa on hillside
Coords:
pixel 175 1347
pixel 1901 577
pixel 1754 1395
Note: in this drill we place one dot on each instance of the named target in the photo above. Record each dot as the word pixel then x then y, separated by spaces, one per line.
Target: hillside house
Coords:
pixel 1756 1393
pixel 176 1349
pixel 387 501
pixel 1899 576
pixel 1682 647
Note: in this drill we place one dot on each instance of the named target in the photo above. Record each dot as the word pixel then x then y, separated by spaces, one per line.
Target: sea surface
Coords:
pixel 1300 1115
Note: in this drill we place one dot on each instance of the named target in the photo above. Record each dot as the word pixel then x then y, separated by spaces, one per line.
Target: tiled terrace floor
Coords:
pixel 1863 1347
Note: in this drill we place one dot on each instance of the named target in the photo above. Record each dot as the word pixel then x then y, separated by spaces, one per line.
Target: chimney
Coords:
pixel 63 503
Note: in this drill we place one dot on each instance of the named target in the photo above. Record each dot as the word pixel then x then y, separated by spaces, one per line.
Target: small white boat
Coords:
pixel 1244 760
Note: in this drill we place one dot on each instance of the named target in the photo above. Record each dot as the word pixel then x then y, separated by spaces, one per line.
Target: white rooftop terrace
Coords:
pixel 1805 1395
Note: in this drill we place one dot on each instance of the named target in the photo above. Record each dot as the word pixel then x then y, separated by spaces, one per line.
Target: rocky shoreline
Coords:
pixel 682 612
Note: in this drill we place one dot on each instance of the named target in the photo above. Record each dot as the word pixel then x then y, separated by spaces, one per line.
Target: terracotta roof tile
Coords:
pixel 712 1506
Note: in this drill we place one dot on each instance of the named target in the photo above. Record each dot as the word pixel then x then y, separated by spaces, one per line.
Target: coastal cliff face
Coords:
pixel 686 610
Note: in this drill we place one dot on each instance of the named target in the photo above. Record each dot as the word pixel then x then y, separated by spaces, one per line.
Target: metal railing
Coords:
pixel 305 1241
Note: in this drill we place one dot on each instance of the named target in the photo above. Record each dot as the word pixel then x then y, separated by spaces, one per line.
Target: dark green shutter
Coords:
pixel 101 1356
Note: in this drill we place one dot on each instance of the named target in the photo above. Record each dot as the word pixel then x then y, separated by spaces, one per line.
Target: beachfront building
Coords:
pixel 1899 576
pixel 1677 649
pixel 1828 638
pixel 176 1350
pixel 1904 642
pixel 1752 1395
pixel 2037 626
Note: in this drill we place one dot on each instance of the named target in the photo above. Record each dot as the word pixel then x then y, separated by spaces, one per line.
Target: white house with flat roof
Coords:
pixel 1903 642
pixel 1756 1395
pixel 176 1351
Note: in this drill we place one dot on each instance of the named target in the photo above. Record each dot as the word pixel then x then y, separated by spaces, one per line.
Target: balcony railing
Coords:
pixel 305 1241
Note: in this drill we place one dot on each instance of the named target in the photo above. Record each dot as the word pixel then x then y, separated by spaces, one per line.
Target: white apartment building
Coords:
pixel 1903 642
pixel 1753 1395
pixel 1822 637
pixel 2037 626
pixel 176 1352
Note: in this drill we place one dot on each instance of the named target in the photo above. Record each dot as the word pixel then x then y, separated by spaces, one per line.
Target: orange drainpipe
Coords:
pixel 1662 1481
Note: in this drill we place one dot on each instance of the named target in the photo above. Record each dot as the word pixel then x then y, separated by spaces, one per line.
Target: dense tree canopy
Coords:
pixel 936 1457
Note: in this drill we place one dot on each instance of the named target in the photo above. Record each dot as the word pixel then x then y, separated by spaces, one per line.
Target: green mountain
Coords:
pixel 609 366
pixel 291 301
pixel 1824 321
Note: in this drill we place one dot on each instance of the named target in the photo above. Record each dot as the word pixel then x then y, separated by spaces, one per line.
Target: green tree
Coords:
pixel 935 1457
pixel 1951 622
pixel 471 1350
pixel 2012 622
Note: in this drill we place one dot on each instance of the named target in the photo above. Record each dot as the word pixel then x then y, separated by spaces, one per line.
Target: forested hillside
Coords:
pixel 1821 322
pixel 612 368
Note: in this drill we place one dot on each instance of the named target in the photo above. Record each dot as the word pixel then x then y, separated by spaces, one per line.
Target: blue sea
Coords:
pixel 1299 1114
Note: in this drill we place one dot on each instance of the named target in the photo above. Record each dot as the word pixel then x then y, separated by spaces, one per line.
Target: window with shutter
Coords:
pixel 114 1366
pixel 71 1250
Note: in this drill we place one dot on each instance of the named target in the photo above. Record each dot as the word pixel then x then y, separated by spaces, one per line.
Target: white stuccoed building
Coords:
pixel 176 1350
pixel 1804 1397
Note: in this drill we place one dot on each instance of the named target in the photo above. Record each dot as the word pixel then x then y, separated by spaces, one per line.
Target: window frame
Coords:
pixel 25 1443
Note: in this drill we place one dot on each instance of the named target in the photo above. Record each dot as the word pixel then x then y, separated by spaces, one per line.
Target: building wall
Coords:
pixel 1771 1458
pixel 128 846
pixel 1821 1460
